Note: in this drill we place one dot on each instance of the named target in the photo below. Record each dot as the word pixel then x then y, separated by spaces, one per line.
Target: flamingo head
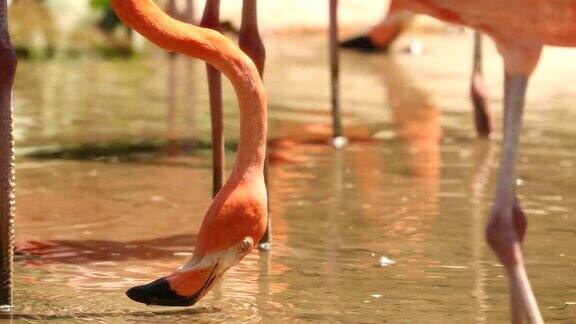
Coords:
pixel 192 281
pixel 234 223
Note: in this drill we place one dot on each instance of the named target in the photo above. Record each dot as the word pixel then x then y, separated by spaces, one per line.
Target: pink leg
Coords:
pixel 171 9
pixel 211 19
pixel 189 81
pixel 249 39
pixel 479 94
pixel 7 73
pixel 507 225
pixel 189 15
pixel 251 43
pixel 171 85
pixel 338 139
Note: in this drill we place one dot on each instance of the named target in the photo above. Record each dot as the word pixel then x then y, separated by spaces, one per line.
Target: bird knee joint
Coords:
pixel 253 46
pixel 504 241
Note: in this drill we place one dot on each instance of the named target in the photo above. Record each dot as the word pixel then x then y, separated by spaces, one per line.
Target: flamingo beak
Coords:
pixel 190 283
pixel 162 292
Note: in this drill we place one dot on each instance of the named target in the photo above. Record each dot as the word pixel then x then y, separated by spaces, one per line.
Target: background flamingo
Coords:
pixel 237 217
pixel 383 34
pixel 520 30
pixel 7 73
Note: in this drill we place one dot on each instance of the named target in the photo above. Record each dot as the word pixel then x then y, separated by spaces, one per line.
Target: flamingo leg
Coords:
pixel 249 38
pixel 211 19
pixel 189 11
pixel 7 73
pixel 478 92
pixel 338 139
pixel 171 85
pixel 507 224
pixel 251 43
pixel 189 80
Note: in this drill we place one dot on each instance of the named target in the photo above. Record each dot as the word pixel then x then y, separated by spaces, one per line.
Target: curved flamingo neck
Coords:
pixel 210 46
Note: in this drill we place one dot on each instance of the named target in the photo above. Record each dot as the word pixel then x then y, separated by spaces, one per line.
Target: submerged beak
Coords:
pixel 179 289
pixel 187 285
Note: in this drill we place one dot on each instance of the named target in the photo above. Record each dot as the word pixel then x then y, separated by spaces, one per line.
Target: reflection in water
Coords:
pixel 333 241
pixel 184 11
pixel 77 252
pixel 483 161
pixel 142 316
pixel 180 127
pixel 416 121
pixel 57 72
pixel 98 226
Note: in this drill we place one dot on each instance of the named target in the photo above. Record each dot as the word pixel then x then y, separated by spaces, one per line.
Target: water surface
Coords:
pixel 390 229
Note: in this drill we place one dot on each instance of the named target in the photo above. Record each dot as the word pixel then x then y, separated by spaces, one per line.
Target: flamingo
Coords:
pixel 236 220
pixel 520 30
pixel 7 74
pixel 383 34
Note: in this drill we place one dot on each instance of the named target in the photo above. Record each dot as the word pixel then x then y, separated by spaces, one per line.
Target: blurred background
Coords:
pixel 114 172
pixel 74 53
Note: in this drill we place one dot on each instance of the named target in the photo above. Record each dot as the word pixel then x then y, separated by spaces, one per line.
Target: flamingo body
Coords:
pixel 520 29
pixel 550 22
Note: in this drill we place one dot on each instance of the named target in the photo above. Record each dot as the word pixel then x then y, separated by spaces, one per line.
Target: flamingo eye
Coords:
pixel 246 245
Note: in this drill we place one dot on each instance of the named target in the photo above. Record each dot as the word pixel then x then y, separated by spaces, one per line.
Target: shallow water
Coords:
pixel 415 188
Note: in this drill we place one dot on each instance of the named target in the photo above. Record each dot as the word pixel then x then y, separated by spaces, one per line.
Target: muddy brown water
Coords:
pixel 389 229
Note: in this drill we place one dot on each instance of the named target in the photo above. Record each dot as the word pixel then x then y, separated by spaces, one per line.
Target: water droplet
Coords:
pixel 339 142
pixel 414 48
pixel 384 135
pixel 454 267
pixel 384 261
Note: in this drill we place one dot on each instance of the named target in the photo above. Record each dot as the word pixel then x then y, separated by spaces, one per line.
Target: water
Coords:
pixel 390 229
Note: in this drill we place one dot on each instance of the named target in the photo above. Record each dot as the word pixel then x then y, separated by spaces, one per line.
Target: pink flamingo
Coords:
pixel 520 30
pixel 7 74
pixel 237 217
pixel 383 34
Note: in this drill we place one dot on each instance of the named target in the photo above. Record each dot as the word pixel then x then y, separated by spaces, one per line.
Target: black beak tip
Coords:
pixel 158 293
pixel 138 294
pixel 363 44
